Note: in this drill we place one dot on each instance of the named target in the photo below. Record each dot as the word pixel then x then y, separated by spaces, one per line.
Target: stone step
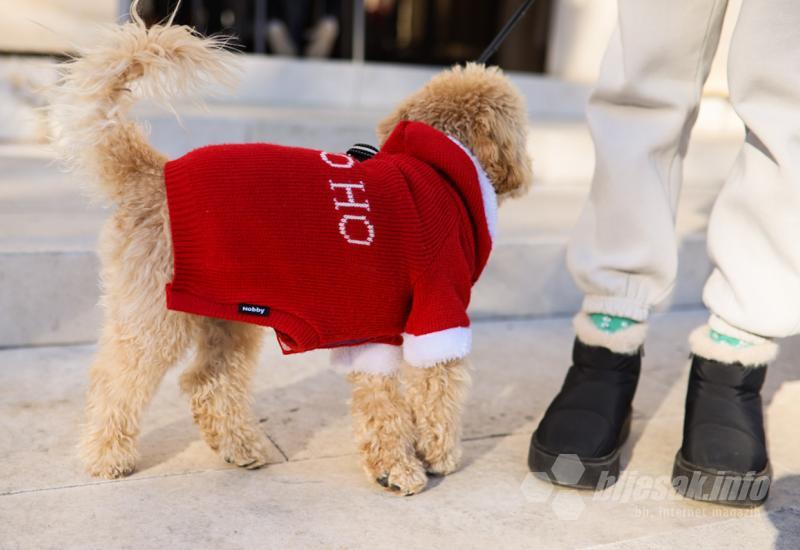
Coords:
pixel 561 149
pixel 48 267
pixel 26 83
pixel 332 104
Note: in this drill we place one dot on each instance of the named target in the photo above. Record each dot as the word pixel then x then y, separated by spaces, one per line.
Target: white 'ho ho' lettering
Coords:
pixel 351 204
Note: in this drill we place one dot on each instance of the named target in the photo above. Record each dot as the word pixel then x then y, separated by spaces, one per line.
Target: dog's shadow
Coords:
pixel 783 512
pixel 300 418
pixel 309 418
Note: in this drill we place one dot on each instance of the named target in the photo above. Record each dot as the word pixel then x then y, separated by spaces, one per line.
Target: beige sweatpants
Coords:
pixel 623 253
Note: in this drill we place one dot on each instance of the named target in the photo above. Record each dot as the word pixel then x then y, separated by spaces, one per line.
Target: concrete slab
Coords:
pixel 779 529
pixel 300 400
pixel 182 495
pixel 325 503
pixel 42 399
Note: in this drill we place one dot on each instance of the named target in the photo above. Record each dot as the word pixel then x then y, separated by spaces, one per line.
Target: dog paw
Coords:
pixel 444 463
pixel 107 460
pixel 112 470
pixel 441 456
pixel 249 450
pixel 405 478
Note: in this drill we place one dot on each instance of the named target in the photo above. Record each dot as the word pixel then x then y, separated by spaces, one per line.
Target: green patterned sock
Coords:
pixel 611 323
pixel 727 340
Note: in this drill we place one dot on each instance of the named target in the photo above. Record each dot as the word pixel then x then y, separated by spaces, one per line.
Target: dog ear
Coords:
pixel 501 149
pixel 514 161
pixel 480 107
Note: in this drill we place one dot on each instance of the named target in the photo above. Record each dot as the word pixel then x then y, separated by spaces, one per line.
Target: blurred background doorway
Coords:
pixel 430 32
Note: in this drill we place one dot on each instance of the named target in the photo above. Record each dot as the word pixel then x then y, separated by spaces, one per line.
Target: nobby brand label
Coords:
pixel 252 309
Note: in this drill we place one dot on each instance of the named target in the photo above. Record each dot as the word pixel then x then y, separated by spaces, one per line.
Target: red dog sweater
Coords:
pixel 332 252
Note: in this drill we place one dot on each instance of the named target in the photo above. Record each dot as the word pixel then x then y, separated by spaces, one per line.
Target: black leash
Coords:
pixel 505 31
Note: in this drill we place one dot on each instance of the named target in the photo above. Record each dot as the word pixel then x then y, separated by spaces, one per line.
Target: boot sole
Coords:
pixel 595 469
pixel 719 486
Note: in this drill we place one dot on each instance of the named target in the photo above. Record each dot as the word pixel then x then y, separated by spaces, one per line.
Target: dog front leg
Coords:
pixel 385 433
pixel 436 396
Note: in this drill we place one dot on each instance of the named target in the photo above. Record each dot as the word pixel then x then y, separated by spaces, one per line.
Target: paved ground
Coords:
pixel 315 495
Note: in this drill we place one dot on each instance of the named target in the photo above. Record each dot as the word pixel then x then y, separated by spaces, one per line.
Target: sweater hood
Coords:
pixel 462 170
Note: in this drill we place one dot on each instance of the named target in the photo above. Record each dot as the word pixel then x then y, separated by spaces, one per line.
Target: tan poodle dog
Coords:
pixel 407 422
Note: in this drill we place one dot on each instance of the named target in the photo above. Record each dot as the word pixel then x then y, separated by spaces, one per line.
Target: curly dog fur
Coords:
pixel 407 423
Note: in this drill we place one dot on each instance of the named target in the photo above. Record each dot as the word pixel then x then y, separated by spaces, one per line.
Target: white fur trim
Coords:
pixel 761 353
pixel 435 348
pixel 368 358
pixel 487 191
pixel 626 341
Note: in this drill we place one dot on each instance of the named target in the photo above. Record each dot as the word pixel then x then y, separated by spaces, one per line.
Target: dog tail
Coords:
pixel 91 129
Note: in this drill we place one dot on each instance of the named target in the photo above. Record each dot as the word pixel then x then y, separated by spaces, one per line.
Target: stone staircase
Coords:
pixel 48 227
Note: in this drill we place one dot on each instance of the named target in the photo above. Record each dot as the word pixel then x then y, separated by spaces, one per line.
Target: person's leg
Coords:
pixel 755 223
pixel 754 291
pixel 623 252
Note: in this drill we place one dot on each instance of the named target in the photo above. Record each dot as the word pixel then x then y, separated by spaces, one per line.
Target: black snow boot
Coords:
pixel 723 458
pixel 588 421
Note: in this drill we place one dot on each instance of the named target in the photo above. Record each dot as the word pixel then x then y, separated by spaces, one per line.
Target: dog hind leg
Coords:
pixel 141 339
pixel 218 383
pixel 436 396
pixel 385 433
pixel 124 376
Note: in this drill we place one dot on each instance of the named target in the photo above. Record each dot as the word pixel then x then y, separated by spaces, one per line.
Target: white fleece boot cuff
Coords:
pixel 761 352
